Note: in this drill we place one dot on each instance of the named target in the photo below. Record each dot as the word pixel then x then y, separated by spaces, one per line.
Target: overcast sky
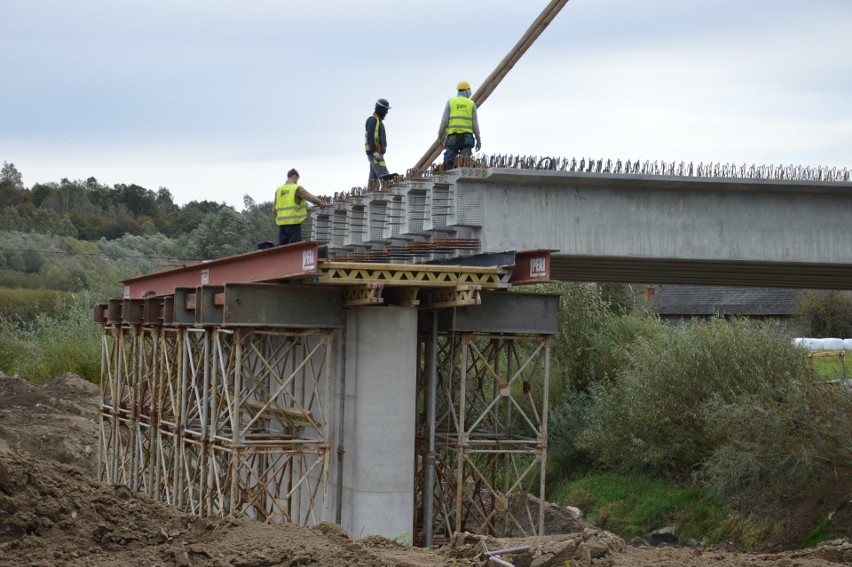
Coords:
pixel 217 99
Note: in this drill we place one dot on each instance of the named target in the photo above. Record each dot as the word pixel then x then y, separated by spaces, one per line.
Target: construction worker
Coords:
pixel 375 143
pixel 459 130
pixel 291 209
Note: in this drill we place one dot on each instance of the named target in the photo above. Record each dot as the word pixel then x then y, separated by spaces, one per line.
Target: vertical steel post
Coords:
pixel 182 350
pixel 462 435
pixel 543 435
pixel 507 458
pixel 338 513
pixel 205 407
pixel 135 410
pixel 104 384
pixel 429 487
pixel 327 339
pixel 235 420
pixel 116 401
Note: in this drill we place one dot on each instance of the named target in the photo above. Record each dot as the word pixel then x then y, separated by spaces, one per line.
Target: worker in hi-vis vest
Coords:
pixel 291 208
pixel 376 144
pixel 459 130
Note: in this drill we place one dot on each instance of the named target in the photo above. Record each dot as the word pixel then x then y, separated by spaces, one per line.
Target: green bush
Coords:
pixel 826 313
pixel 23 305
pixel 779 442
pixel 67 341
pixel 582 311
pixel 653 418
pixel 565 459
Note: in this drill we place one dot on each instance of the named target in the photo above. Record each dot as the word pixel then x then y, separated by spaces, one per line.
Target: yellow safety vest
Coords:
pixel 376 140
pixel 461 116
pixel 286 209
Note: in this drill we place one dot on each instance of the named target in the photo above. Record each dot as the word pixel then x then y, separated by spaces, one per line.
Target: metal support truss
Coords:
pixel 219 421
pixel 489 436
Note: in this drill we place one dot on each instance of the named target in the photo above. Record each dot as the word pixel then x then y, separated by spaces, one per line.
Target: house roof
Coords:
pixel 710 300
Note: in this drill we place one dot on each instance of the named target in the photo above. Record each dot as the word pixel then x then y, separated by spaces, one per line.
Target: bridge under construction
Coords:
pixel 385 375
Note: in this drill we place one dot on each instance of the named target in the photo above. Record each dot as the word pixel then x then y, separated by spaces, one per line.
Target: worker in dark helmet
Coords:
pixel 375 143
pixel 459 130
pixel 291 208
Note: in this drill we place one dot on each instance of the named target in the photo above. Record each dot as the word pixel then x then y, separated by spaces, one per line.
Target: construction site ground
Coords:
pixel 53 511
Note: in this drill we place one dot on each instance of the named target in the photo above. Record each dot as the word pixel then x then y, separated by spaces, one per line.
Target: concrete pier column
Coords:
pixel 381 376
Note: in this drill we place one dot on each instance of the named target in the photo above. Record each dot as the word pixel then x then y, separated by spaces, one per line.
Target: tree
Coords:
pixel 139 201
pixel 221 234
pixel 826 313
pixel 12 189
pixel 10 174
pixel 165 201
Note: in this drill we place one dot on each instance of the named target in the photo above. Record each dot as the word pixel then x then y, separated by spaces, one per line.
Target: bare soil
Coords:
pixel 54 512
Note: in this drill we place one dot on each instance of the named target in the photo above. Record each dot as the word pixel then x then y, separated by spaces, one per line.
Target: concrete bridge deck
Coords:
pixel 610 226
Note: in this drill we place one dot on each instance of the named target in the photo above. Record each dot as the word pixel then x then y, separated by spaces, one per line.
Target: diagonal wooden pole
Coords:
pixel 491 82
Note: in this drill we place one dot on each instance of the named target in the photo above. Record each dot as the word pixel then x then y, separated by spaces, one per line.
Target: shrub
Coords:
pixel 605 355
pixel 826 313
pixel 779 442
pixel 67 341
pixel 23 305
pixel 582 311
pixel 653 417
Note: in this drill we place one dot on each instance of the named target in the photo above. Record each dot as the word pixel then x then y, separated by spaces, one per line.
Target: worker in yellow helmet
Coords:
pixel 459 130
pixel 291 209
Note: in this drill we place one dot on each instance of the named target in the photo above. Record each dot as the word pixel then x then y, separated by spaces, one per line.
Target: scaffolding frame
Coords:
pixel 490 434
pixel 220 421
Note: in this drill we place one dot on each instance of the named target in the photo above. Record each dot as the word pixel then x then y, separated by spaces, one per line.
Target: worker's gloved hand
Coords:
pixel 377 156
pixel 478 145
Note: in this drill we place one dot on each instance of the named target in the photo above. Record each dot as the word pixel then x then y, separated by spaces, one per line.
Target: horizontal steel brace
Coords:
pixel 277 263
pixel 283 305
pixel 501 312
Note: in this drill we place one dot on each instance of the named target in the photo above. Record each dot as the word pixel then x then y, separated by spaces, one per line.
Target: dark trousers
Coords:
pixel 457 145
pixel 289 233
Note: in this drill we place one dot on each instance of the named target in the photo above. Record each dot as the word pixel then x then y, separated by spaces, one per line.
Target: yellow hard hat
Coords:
pixel 463 86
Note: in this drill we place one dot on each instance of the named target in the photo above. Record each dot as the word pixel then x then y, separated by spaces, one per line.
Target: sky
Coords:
pixel 217 99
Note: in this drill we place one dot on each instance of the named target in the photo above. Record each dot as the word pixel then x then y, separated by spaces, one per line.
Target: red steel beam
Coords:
pixel 531 267
pixel 281 262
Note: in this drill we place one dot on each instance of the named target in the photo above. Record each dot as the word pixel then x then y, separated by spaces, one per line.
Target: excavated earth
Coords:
pixel 54 512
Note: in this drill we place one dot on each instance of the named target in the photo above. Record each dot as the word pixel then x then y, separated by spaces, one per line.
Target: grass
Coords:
pixel 832 367
pixel 635 506
pixel 819 534
pixel 65 341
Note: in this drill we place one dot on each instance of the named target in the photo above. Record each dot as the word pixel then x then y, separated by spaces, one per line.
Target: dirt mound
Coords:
pixel 598 548
pixel 57 421
pixel 53 512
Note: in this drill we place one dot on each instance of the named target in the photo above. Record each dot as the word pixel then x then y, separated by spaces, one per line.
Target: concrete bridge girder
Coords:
pixel 645 228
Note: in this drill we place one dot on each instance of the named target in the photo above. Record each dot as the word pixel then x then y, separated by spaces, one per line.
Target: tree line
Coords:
pixel 89 210
pixel 76 236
